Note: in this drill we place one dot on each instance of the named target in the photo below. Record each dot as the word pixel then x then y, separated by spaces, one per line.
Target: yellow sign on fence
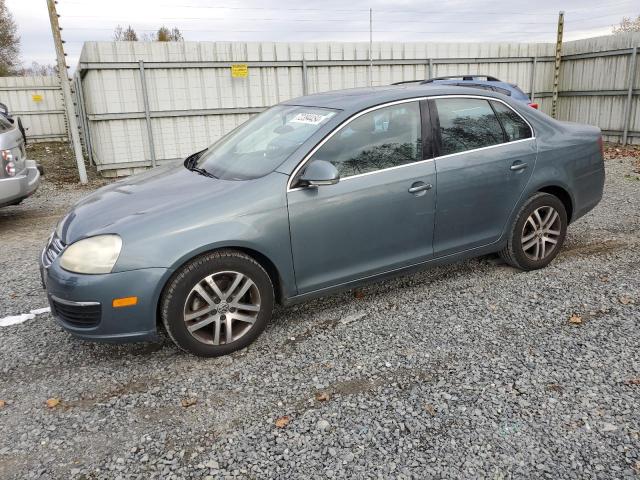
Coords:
pixel 239 70
pixel 36 98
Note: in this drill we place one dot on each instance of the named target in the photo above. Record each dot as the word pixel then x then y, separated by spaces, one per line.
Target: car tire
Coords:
pixel 537 234
pixel 218 303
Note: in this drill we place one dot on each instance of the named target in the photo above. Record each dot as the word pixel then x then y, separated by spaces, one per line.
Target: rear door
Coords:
pixel 380 215
pixel 486 153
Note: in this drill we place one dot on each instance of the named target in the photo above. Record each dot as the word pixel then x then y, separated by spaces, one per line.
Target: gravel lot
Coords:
pixel 469 370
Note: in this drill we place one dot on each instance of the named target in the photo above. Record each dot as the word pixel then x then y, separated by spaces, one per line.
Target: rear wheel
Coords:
pixel 217 304
pixel 537 234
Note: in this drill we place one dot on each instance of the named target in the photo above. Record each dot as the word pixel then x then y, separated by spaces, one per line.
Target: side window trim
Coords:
pixel 435 122
pixel 435 129
pixel 505 137
pixel 298 170
pixel 428 147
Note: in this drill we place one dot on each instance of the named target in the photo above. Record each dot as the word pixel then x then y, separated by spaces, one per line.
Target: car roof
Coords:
pixel 356 99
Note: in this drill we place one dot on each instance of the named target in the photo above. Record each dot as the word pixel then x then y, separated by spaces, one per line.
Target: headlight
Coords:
pixel 92 255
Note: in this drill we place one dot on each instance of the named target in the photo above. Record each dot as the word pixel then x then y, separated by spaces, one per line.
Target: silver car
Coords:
pixel 19 177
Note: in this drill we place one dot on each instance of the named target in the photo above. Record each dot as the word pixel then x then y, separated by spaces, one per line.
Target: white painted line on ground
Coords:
pixel 39 311
pixel 16 319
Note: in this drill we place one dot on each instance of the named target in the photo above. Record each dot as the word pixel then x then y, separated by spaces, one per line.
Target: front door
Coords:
pixel 380 216
pixel 487 153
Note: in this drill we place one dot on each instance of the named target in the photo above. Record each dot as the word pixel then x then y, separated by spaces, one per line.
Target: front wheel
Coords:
pixel 217 304
pixel 537 234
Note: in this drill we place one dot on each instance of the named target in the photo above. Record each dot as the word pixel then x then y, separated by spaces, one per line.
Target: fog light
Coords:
pixel 10 169
pixel 124 302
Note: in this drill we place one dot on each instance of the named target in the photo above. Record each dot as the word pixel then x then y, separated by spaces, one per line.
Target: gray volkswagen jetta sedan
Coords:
pixel 317 194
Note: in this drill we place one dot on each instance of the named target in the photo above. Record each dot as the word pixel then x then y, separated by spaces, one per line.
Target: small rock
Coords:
pixel 323 425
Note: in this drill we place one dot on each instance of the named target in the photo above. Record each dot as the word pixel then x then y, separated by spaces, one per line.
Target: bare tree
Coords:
pixel 164 34
pixel 628 24
pixel 37 69
pixel 125 35
pixel 176 35
pixel 9 42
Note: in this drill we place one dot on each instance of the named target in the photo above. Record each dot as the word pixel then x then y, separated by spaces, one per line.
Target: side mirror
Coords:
pixel 320 172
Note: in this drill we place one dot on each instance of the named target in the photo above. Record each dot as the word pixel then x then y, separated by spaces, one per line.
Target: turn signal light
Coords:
pixel 124 302
pixel 534 105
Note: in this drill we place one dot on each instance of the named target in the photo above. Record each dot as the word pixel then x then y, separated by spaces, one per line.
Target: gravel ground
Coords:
pixel 469 370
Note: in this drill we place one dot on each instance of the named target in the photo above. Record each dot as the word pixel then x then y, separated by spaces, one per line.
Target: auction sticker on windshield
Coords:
pixel 311 118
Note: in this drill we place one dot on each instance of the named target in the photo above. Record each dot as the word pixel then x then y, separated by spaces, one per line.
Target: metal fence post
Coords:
pixel 430 68
pixel 83 118
pixel 305 87
pixel 147 114
pixel 532 83
pixel 556 69
pixel 632 81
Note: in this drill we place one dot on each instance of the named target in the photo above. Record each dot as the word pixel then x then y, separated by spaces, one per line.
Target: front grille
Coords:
pixel 52 250
pixel 85 314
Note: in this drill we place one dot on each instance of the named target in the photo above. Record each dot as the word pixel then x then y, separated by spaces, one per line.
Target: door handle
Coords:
pixel 420 188
pixel 518 166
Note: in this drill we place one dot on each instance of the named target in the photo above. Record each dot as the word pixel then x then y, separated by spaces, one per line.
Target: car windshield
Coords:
pixel 5 125
pixel 260 145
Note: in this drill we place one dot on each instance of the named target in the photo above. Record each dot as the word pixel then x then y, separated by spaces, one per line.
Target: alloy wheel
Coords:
pixel 222 307
pixel 541 232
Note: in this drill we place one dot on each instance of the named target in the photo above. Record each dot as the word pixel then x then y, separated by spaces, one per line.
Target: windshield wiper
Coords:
pixel 190 164
pixel 202 171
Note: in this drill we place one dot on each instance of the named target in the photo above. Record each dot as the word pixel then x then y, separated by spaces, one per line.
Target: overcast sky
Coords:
pixel 324 20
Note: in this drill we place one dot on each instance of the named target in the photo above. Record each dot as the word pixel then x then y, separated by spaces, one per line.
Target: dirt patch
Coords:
pixel 59 164
pixel 606 246
pixel 130 388
pixel 614 151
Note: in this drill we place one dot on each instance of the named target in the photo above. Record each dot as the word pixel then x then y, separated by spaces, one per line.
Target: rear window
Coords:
pixel 467 124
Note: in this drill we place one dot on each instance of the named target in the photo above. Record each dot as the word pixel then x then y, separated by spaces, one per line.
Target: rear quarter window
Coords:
pixel 514 126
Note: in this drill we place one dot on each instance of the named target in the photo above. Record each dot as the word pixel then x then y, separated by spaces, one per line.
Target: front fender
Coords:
pixel 257 221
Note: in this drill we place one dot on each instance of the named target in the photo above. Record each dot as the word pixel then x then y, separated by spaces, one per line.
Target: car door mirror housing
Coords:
pixel 319 173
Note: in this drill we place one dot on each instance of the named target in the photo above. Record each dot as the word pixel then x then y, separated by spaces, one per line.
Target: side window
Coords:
pixel 514 126
pixel 383 138
pixel 466 124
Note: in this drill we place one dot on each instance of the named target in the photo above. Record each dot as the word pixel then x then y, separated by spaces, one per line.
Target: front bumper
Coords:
pixel 82 304
pixel 14 189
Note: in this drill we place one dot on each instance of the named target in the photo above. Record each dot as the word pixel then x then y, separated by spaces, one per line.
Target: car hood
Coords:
pixel 170 190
